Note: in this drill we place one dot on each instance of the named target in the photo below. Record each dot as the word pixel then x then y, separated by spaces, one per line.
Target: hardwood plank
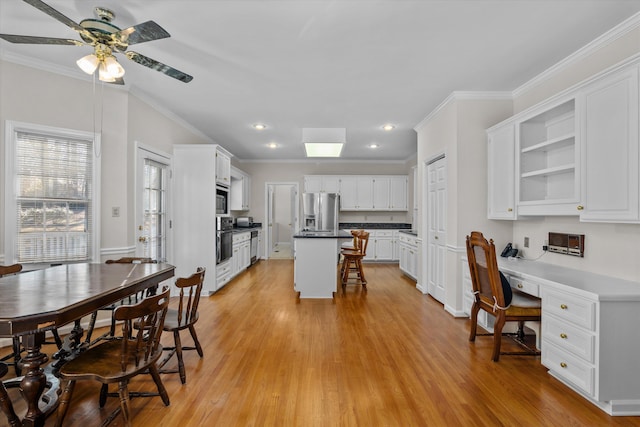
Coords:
pixel 389 356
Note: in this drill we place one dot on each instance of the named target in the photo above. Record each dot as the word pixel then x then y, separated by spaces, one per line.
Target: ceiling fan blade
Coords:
pixel 60 17
pixel 145 32
pixel 158 66
pixel 13 38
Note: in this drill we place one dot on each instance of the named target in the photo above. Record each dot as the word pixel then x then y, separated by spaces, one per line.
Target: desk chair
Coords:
pixel 5 402
pixel 494 295
pixel 122 358
pixel 6 270
pixel 185 317
pixel 129 300
pixel 352 259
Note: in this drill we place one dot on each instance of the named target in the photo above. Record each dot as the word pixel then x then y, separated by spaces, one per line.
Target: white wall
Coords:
pixel 40 97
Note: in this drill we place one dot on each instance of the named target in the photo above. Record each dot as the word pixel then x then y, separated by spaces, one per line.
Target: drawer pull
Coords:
pixel 563 336
pixel 563 306
pixel 510 210
pixel 520 286
pixel 563 365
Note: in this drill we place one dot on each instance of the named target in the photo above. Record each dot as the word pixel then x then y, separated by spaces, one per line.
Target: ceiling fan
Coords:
pixel 106 39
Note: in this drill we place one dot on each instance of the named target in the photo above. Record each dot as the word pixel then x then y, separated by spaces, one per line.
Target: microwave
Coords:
pixel 222 199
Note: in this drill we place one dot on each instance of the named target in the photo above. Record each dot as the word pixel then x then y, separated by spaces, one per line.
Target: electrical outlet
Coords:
pixel 526 242
pixel 115 212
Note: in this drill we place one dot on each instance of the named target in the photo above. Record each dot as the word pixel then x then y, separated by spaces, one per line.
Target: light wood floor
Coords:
pixel 386 357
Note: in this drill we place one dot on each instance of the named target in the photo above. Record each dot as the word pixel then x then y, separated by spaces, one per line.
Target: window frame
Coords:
pixel 10 198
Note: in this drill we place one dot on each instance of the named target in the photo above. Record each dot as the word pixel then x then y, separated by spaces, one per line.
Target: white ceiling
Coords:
pixel 350 64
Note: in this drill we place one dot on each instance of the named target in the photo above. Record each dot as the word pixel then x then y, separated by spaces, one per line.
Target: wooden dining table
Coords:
pixel 34 302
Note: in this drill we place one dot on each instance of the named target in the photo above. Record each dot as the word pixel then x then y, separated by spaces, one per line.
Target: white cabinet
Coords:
pixel 549 161
pixel 223 167
pixel 239 192
pixel 609 117
pixel 356 193
pixel 241 254
pixel 260 253
pixel 408 248
pixel 194 212
pixel 382 245
pixel 390 193
pixel 501 172
pixel 322 184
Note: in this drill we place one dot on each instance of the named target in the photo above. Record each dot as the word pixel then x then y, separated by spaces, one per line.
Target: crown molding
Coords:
pixel 323 161
pixel 466 96
pixel 620 30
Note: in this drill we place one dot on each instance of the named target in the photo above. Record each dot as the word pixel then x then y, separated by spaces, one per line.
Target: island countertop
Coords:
pixel 339 234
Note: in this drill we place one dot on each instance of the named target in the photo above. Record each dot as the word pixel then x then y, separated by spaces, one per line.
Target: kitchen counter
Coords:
pixel 315 262
pixel 374 225
pixel 412 232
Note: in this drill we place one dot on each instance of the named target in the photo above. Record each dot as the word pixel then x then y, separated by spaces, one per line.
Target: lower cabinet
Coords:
pixel 223 273
pixel 408 254
pixel 241 253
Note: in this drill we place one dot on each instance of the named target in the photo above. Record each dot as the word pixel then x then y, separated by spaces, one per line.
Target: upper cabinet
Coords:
pixel 576 154
pixel 240 190
pixel 501 164
pixel 549 162
pixel 363 192
pixel 609 117
pixel 223 167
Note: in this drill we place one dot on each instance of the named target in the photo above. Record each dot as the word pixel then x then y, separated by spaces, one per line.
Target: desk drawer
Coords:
pixel 525 286
pixel 572 339
pixel 572 308
pixel 568 367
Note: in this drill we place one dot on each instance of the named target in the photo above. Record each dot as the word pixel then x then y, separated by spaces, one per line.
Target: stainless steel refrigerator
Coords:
pixel 320 211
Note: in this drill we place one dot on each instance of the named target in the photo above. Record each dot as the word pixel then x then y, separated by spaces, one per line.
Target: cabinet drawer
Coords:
pixel 570 338
pixel 568 367
pixel 383 233
pixel 525 286
pixel 222 269
pixel 577 310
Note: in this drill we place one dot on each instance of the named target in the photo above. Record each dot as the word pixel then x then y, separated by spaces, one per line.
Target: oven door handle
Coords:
pixel 218 247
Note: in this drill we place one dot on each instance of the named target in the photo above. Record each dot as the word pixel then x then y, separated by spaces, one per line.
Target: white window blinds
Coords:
pixel 54 189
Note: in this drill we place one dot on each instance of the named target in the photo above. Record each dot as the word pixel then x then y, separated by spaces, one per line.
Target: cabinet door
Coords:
pixel 223 168
pixel 399 193
pixel 313 184
pixel 348 193
pixel 384 248
pixel 381 190
pixel 331 184
pixel 364 192
pixel 501 173
pixel 609 117
pixel 246 192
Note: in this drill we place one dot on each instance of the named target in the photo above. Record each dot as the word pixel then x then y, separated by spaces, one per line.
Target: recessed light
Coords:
pixel 259 126
pixel 272 145
pixel 373 146
pixel 388 127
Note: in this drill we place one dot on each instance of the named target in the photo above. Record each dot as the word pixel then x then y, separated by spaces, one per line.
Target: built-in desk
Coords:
pixel 590 335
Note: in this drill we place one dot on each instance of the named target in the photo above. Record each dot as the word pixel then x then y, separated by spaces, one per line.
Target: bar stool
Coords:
pixel 352 259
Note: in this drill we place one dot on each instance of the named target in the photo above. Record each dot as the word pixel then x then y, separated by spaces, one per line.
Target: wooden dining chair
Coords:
pixel 5 402
pixel 118 360
pixel 352 259
pixel 132 299
pixel 16 348
pixel 495 296
pixel 184 317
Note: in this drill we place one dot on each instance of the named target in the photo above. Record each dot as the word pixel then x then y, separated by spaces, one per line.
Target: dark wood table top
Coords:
pixel 43 299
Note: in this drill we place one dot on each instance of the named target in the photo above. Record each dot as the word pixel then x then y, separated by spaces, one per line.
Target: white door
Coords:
pixel 152 204
pixel 293 194
pixel 436 228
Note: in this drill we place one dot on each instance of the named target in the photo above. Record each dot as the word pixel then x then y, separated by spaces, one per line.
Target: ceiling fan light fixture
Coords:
pixel 88 63
pixel 103 74
pixel 113 67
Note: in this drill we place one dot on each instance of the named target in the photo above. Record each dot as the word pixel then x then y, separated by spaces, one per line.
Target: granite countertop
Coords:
pixel 339 234
pixel 256 226
pixel 375 225
pixel 412 232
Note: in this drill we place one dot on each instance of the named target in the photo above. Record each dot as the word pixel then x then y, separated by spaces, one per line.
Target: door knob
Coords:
pixel 142 239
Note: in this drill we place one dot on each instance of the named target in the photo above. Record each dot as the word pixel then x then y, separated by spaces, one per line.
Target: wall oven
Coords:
pixel 224 238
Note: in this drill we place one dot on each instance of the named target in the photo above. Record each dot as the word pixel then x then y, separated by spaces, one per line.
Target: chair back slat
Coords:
pixel 189 297
pixel 142 328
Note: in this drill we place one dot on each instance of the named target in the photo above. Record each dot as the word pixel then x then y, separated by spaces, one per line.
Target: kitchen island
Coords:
pixel 315 262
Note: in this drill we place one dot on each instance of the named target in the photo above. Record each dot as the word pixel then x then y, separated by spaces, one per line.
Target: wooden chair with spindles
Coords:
pixel 494 295
pixel 111 307
pixel 352 259
pixel 134 352
pixel 184 317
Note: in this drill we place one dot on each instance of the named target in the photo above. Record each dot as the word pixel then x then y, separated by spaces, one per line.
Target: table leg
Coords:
pixel 34 381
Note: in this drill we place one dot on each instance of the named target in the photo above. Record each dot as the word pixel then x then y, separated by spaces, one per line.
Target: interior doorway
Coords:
pixel 282 207
pixel 436 221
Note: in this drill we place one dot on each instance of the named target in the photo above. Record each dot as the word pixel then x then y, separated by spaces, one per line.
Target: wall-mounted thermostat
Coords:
pixel 568 244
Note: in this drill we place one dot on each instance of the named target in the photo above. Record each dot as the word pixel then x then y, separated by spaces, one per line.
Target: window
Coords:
pixel 50 195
